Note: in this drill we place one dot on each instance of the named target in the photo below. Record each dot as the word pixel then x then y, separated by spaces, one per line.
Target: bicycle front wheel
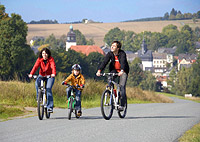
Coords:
pixel 40 106
pixel 70 109
pixel 107 104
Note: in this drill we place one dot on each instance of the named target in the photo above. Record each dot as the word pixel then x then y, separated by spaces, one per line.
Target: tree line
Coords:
pixel 173 15
pixel 44 22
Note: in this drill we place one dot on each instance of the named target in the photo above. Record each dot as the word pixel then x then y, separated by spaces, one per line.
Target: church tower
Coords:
pixel 71 38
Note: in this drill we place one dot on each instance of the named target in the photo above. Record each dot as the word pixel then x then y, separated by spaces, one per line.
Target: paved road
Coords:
pixel 144 123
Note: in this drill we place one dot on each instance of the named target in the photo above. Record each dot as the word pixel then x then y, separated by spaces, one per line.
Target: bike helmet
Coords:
pixel 76 67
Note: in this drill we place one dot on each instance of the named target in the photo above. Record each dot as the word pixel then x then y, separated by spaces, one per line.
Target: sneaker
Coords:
pixel 50 110
pixel 79 113
pixel 120 108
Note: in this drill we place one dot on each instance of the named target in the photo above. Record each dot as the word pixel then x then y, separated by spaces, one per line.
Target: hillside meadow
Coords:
pixel 97 31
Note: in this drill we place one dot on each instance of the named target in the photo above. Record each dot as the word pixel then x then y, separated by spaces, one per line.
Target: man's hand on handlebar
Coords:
pixel 98 73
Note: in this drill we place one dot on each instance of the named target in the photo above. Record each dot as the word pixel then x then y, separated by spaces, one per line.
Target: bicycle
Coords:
pixel 110 98
pixel 42 98
pixel 72 102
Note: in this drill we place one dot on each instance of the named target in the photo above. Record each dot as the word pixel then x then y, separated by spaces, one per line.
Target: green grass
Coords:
pixel 196 99
pixel 7 112
pixel 192 135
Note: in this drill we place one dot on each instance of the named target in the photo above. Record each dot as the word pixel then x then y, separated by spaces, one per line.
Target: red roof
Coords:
pixel 87 49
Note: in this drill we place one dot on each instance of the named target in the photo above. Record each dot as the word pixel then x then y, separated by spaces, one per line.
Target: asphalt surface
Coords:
pixel 158 122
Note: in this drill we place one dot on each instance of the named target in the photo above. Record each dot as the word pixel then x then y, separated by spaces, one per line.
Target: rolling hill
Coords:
pixel 97 31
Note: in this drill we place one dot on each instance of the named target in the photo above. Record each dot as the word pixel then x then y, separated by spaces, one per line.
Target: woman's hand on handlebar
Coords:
pixel 30 75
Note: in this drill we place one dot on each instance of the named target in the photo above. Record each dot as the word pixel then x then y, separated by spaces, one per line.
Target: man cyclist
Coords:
pixel 118 64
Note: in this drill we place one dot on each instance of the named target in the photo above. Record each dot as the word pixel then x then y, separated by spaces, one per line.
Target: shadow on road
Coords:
pixel 146 117
pixel 82 117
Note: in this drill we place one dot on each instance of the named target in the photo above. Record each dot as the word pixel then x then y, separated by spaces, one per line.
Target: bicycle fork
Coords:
pixel 43 94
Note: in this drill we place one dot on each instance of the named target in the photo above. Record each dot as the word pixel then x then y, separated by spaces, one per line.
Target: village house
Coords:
pixel 186 60
pixel 159 63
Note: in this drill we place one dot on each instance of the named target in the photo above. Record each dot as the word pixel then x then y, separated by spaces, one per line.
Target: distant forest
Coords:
pixel 44 22
pixel 173 15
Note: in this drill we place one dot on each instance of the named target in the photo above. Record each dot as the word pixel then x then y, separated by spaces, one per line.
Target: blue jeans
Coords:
pixel 78 96
pixel 49 85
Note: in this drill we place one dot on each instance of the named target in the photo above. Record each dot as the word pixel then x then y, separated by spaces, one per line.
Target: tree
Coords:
pixel 3 15
pixel 182 84
pixel 136 74
pixel 172 34
pixel 80 38
pixel 166 16
pixel 157 40
pixel 149 82
pixel 15 55
pixel 171 80
pixel 186 40
pixel 173 14
pixel 194 85
pixel 52 41
pixel 114 34
pixel 93 60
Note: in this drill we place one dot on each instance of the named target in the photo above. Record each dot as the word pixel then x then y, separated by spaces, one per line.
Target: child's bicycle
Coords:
pixel 72 103
pixel 111 98
pixel 42 98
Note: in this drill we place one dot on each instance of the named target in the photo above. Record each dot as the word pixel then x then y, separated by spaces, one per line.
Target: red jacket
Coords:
pixel 48 69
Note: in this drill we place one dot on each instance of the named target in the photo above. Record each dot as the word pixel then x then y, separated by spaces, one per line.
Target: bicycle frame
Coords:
pixel 111 85
pixel 74 100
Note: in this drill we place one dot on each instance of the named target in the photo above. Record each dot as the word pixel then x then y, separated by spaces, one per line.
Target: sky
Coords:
pixel 106 11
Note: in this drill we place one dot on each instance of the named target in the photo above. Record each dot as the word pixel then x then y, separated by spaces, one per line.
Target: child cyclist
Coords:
pixel 76 79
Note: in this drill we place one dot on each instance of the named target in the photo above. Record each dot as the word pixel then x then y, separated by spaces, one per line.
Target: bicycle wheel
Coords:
pixel 107 104
pixel 47 114
pixel 70 108
pixel 122 114
pixel 40 106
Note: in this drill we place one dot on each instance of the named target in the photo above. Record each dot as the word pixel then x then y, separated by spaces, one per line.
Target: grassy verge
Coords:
pixel 9 111
pixel 196 99
pixel 19 95
pixel 192 135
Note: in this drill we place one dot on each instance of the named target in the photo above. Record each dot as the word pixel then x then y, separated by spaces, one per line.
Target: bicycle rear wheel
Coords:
pixel 40 106
pixel 107 104
pixel 47 114
pixel 122 114
pixel 70 109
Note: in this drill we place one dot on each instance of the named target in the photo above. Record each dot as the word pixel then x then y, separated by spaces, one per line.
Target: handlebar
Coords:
pixel 42 77
pixel 68 85
pixel 109 74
